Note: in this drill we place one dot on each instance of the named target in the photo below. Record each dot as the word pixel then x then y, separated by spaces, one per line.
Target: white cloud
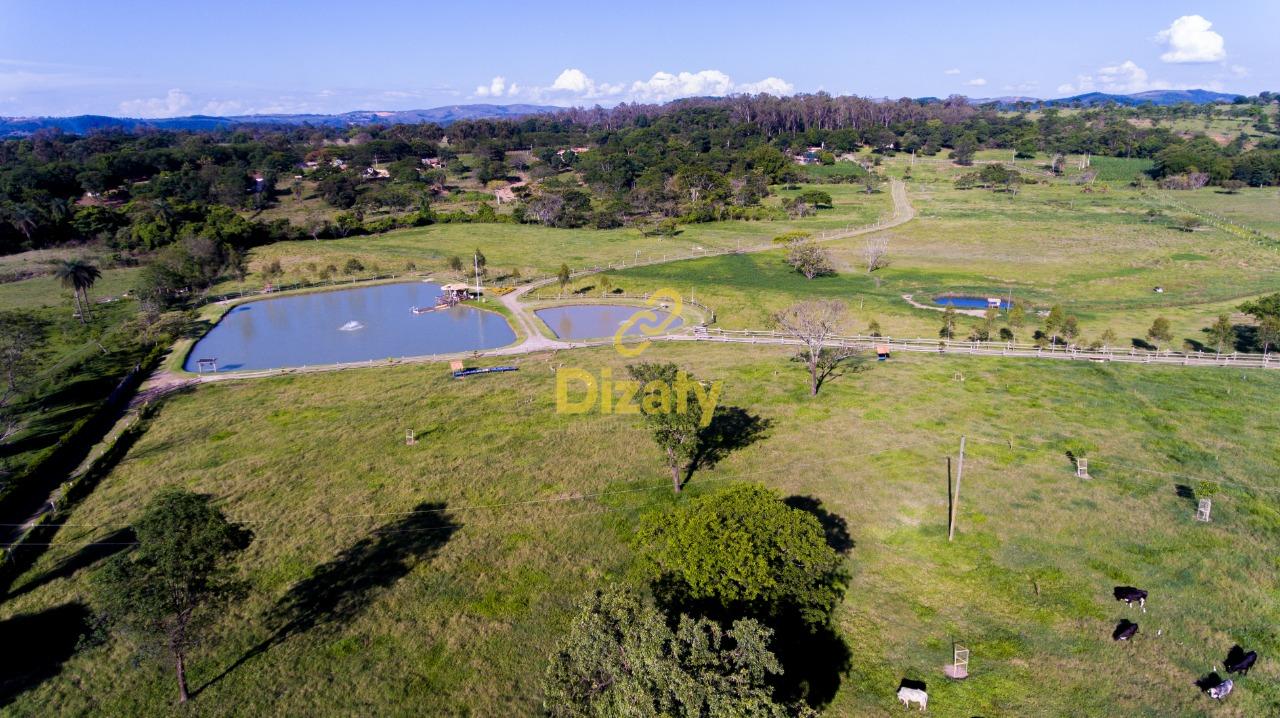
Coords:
pixel 976 82
pixel 951 71
pixel 1128 77
pixel 223 108
pixel 769 86
pixel 497 87
pixel 1027 86
pixel 1124 78
pixel 174 103
pixel 573 81
pixel 666 86
pixel 573 84
pixel 1239 71
pixel 1189 39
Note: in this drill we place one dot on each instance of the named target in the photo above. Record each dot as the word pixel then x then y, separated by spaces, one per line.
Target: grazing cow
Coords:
pixel 1240 662
pixel 1124 630
pixel 1129 595
pixel 913 695
pixel 1221 690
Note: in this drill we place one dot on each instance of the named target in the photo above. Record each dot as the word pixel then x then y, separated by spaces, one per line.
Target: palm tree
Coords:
pixel 79 275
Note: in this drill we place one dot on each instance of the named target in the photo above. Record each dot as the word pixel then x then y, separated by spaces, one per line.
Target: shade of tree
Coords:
pixel 1222 334
pixel 677 433
pixel 79 276
pixel 810 260
pixel 813 323
pixel 1160 332
pixel 746 551
pixel 165 591
pixel 622 658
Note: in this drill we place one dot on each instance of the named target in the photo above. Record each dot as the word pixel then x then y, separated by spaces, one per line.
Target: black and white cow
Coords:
pixel 1221 690
pixel 1238 661
pixel 1131 595
pixel 1124 630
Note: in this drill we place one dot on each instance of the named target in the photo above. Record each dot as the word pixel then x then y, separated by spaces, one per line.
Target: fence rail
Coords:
pixel 1005 349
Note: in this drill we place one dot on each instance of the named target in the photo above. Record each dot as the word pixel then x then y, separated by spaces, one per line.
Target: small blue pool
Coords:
pixel 968 302
pixel 597 321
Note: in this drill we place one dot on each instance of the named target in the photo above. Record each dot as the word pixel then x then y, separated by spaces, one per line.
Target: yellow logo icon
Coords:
pixel 646 320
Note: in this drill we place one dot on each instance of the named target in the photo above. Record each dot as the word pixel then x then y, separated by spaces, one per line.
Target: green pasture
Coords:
pixel 437 577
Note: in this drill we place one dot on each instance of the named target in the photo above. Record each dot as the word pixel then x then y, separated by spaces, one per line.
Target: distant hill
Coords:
pixel 1092 99
pixel 80 124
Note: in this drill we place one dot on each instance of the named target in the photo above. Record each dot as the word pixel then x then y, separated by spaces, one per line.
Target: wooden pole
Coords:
pixel 951 514
pixel 955 499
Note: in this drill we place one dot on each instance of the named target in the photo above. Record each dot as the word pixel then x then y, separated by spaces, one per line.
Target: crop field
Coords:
pixel 439 576
pixel 1097 253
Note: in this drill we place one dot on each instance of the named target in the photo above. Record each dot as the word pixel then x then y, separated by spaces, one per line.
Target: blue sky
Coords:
pixel 153 59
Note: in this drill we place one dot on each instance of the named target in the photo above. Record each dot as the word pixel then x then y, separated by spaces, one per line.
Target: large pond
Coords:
pixel 347 325
pixel 968 302
pixel 597 321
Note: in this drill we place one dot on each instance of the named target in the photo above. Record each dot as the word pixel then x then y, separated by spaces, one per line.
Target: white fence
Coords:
pixel 1006 349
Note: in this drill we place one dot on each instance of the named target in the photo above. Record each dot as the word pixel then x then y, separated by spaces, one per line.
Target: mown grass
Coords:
pixel 536 250
pixel 452 612
pixel 1096 253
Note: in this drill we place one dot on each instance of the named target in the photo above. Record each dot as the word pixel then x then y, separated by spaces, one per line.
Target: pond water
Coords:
pixel 967 302
pixel 345 326
pixel 597 321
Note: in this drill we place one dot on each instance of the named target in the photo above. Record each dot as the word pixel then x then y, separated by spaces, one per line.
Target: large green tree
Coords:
pixel 746 551
pixel 621 658
pixel 163 593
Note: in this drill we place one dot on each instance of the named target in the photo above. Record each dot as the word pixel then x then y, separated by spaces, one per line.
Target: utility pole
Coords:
pixel 475 259
pixel 955 497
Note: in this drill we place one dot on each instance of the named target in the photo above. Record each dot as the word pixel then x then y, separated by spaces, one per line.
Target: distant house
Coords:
pixel 432 162
pixel 339 163
pixel 311 165
pixel 376 173
pixel 575 150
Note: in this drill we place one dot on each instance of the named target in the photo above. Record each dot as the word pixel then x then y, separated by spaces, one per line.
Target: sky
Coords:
pixel 160 59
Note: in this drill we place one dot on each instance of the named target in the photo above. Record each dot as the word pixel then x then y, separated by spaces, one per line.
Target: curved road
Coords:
pixel 534 340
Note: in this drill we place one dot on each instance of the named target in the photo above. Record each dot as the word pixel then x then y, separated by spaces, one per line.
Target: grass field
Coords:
pixel 452 610
pixel 1096 253
pixel 536 250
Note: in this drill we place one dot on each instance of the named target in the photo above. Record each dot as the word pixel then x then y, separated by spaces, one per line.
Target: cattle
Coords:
pixel 1124 630
pixel 1130 595
pixel 1240 662
pixel 1221 690
pixel 913 695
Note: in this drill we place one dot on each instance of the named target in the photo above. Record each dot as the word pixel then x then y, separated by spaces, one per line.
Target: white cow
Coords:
pixel 913 695
pixel 1219 691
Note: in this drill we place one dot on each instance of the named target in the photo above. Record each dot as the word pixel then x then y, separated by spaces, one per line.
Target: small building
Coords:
pixel 457 292
pixel 376 173
pixel 993 302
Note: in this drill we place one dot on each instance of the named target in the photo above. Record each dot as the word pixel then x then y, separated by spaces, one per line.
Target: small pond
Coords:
pixel 967 302
pixel 597 321
pixel 346 325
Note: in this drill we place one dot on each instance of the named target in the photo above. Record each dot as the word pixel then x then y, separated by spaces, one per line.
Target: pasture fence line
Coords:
pixel 1218 221
pixel 988 348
